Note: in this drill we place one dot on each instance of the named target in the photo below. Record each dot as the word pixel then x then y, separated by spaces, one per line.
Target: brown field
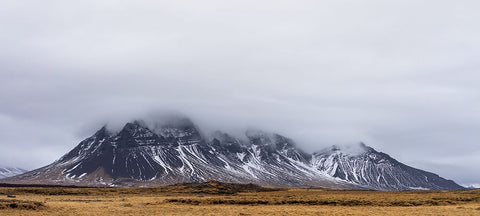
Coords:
pixel 216 198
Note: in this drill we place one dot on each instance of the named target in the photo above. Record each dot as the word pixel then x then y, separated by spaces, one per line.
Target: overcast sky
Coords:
pixel 401 76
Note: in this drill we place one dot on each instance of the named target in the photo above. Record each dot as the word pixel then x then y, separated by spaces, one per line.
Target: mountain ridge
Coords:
pixel 176 151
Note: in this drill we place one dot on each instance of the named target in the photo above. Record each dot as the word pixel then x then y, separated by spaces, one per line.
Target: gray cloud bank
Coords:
pixel 401 76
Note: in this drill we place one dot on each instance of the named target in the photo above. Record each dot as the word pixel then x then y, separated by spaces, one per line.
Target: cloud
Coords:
pixel 401 76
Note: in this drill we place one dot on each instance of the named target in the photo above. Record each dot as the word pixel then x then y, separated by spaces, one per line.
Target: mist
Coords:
pixel 400 76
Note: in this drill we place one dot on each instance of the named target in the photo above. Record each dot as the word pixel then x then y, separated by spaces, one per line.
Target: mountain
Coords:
pixel 176 151
pixel 10 171
pixel 377 170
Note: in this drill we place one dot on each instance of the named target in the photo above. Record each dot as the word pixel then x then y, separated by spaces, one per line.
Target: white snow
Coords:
pixel 184 159
pixel 247 169
pixel 161 163
pixel 227 166
pixel 241 155
pixel 71 169
pixel 419 188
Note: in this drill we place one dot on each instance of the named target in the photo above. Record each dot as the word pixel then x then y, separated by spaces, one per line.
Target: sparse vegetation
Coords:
pixel 20 204
pixel 216 198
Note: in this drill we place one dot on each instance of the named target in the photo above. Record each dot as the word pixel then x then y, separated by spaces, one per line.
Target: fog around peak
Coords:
pixel 353 149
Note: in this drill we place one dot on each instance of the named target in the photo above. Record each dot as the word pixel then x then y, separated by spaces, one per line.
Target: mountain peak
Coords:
pixel 135 125
pixel 349 149
pixel 224 137
pixel 259 137
pixel 175 121
pixel 102 132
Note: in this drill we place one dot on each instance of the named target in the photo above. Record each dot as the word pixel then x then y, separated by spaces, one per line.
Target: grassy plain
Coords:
pixel 216 198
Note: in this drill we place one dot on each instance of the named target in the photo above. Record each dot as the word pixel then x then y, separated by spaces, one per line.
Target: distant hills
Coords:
pixel 10 171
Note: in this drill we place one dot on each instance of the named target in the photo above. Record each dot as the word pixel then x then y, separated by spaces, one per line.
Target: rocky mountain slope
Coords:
pixel 175 151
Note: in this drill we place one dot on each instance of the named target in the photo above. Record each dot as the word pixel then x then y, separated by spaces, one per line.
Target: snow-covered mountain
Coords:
pixel 376 170
pixel 10 171
pixel 176 151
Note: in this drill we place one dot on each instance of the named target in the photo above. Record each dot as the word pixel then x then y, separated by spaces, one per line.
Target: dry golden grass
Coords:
pixel 225 199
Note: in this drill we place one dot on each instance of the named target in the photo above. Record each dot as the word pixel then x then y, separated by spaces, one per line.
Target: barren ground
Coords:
pixel 216 198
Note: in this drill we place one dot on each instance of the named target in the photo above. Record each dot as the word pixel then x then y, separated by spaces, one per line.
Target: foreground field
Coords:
pixel 216 198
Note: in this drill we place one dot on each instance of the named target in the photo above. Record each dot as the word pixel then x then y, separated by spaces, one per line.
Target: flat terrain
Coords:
pixel 215 198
